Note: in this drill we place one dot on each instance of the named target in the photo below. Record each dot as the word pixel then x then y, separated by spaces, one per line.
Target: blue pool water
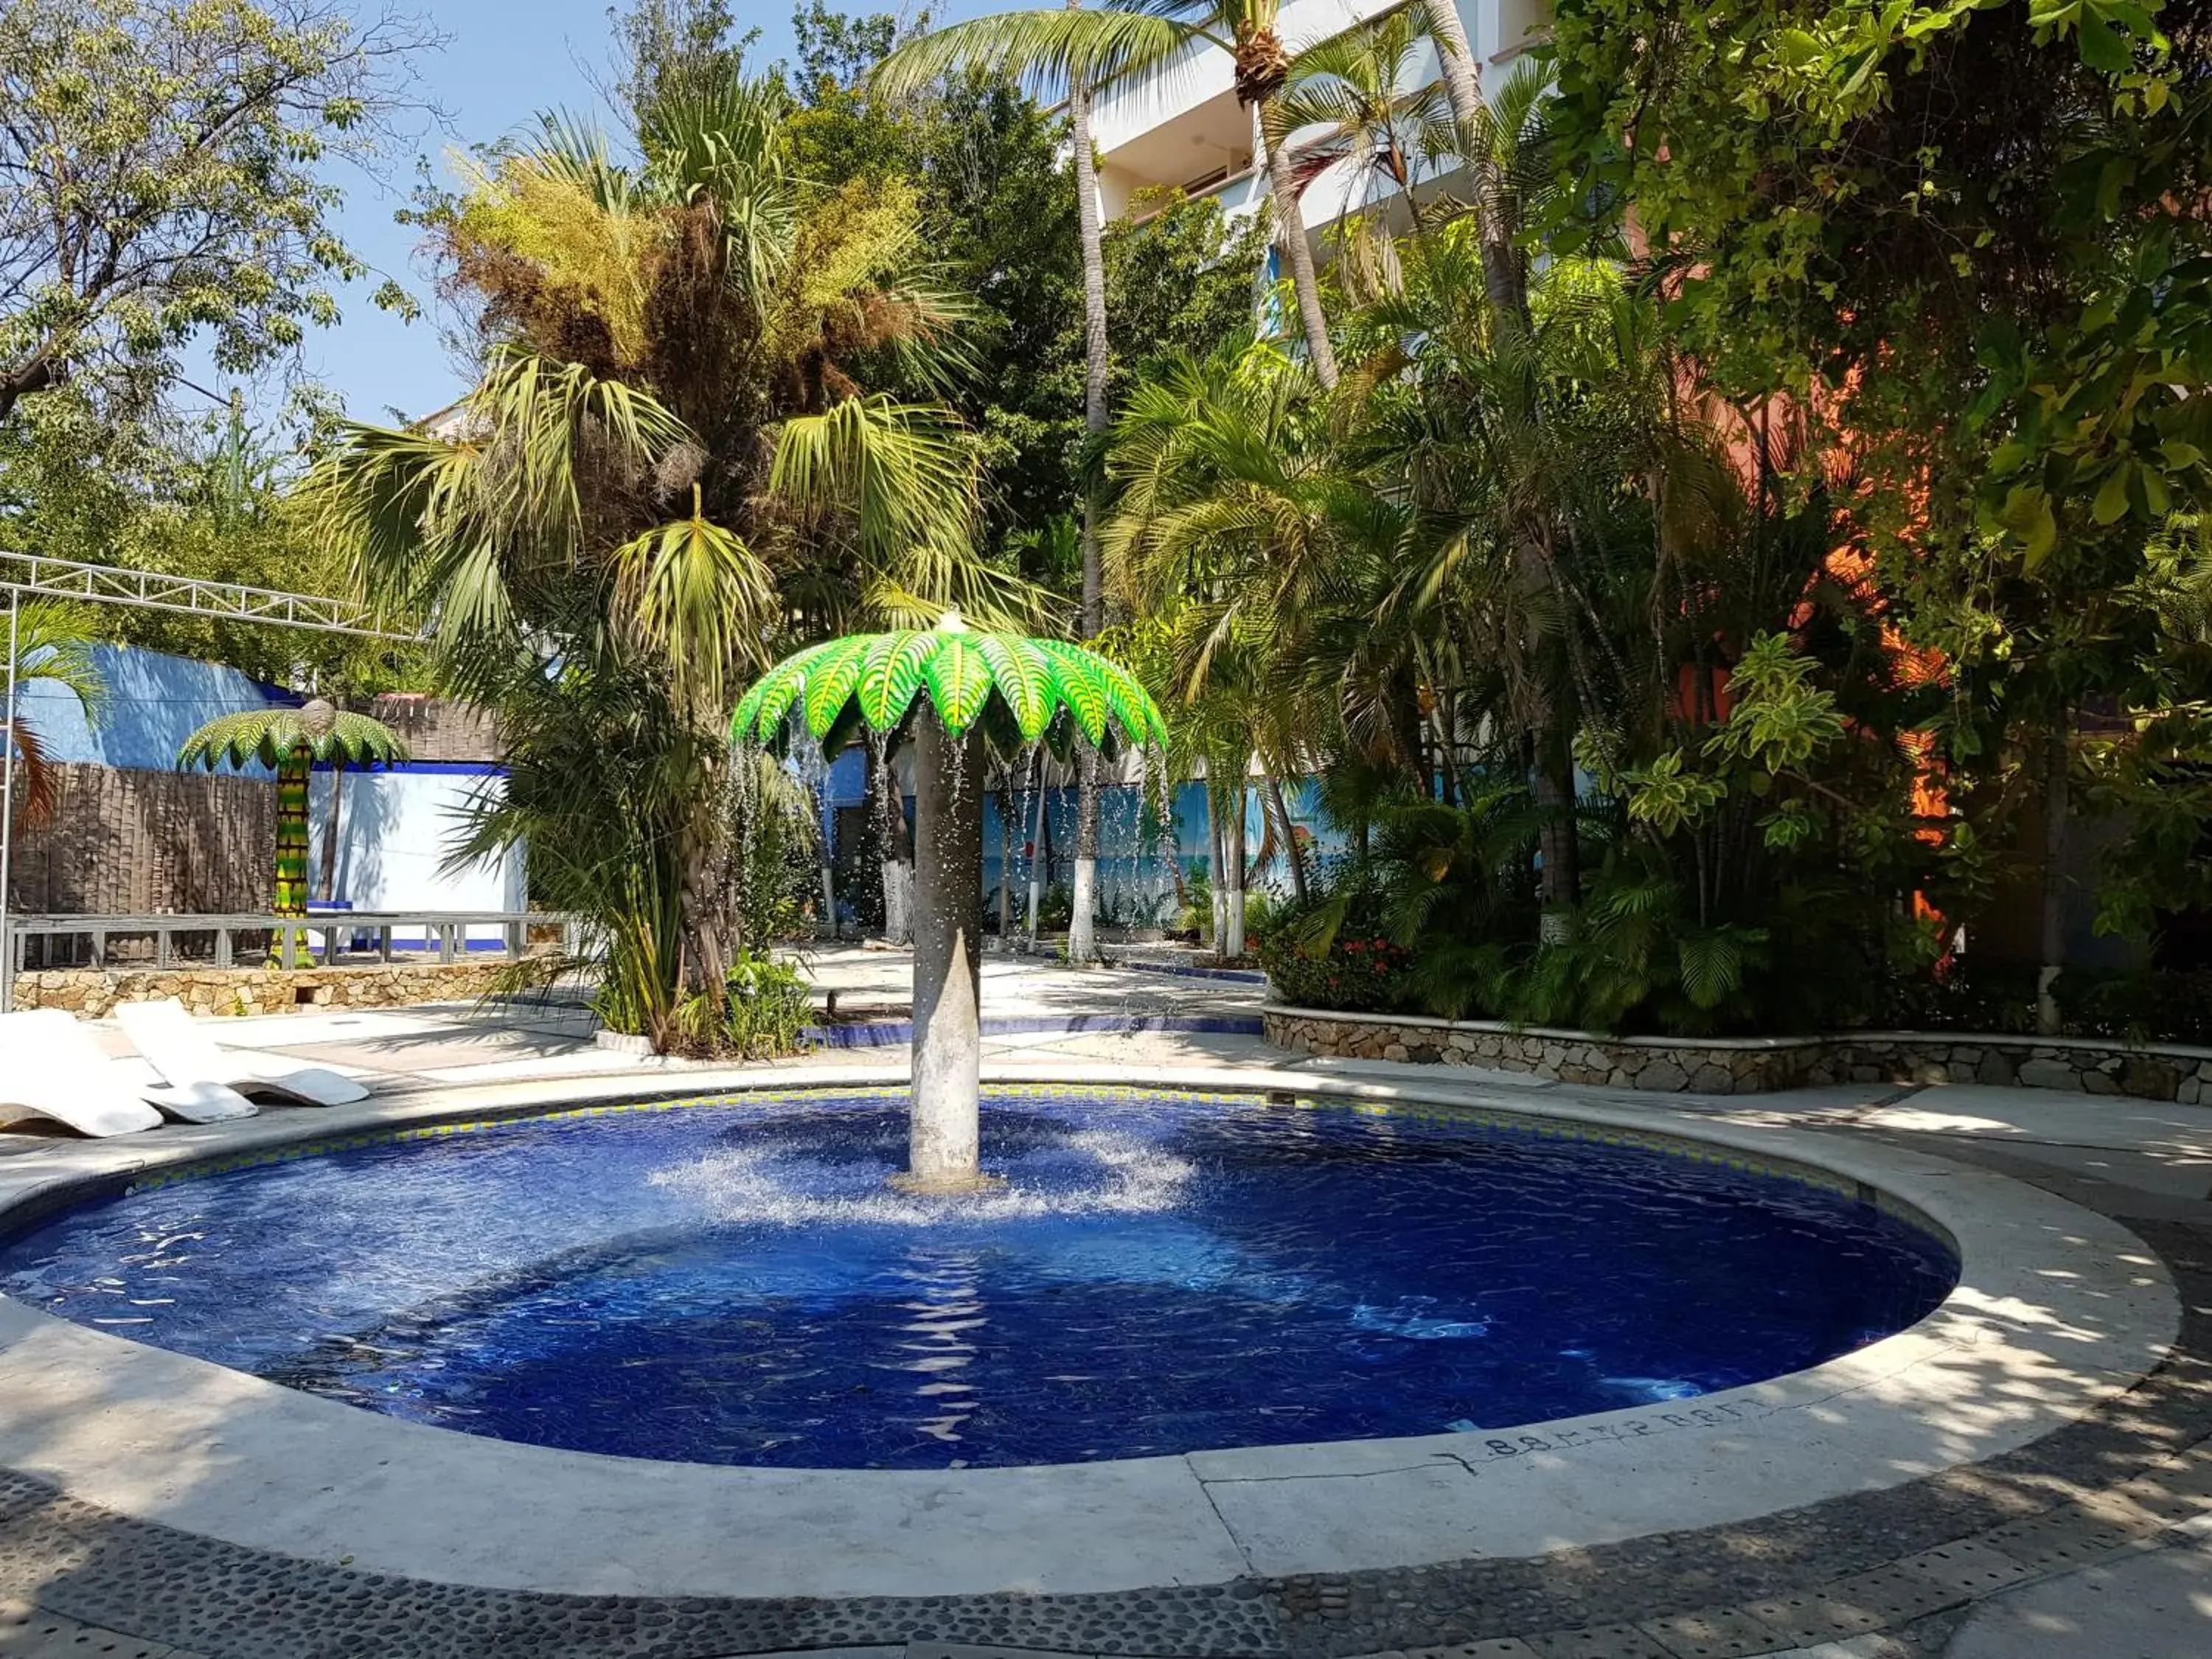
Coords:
pixel 734 1284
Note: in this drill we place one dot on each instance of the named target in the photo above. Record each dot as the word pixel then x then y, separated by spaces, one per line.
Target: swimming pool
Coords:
pixel 730 1282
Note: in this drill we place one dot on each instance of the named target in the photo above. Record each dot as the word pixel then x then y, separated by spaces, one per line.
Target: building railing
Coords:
pixel 326 938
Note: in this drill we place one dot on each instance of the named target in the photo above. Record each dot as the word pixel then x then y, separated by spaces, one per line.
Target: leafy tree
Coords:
pixel 1996 301
pixel 204 497
pixel 163 182
pixel 670 469
pixel 50 643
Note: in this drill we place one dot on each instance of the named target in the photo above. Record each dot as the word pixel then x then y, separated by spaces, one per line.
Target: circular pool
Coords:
pixel 731 1282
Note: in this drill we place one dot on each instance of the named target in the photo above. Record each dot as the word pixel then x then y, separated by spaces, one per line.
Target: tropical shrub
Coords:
pixel 768 1007
pixel 1999 999
pixel 1331 952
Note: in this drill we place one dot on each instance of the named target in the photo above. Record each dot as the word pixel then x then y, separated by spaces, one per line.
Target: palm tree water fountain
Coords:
pixel 951 690
pixel 290 741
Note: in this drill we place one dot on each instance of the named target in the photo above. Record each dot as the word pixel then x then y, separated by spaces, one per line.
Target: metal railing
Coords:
pixel 327 939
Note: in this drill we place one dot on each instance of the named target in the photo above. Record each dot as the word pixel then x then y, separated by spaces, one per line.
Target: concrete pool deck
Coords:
pixel 173 1501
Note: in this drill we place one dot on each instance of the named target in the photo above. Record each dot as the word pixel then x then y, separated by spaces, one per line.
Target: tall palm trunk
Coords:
pixel 1082 932
pixel 1217 882
pixel 1261 67
pixel 1503 283
pixel 1232 853
pixel 1293 860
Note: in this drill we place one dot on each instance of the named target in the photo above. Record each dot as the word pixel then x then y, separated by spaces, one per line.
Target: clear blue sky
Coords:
pixel 504 60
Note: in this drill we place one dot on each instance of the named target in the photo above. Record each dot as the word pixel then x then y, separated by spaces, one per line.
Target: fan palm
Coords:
pixel 955 688
pixel 289 742
pixel 670 470
pixel 51 644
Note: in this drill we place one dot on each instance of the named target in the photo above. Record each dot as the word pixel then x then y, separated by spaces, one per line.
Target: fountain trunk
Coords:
pixel 947 918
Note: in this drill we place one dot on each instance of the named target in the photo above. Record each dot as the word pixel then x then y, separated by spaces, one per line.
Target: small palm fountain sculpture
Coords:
pixel 1003 689
pixel 290 741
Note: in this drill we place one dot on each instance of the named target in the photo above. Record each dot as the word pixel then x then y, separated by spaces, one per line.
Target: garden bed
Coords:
pixel 1723 1066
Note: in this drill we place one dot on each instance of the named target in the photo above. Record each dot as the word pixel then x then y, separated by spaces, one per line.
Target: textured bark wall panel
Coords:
pixel 150 843
pixel 437 730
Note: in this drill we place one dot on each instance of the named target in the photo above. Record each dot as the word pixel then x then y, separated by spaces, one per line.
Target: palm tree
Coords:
pixel 1353 99
pixel 954 690
pixel 52 643
pixel 1237 529
pixel 1505 279
pixel 1125 42
pixel 669 469
pixel 289 742
pixel 924 60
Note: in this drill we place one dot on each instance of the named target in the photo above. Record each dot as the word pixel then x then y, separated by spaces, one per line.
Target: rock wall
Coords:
pixel 1754 1065
pixel 92 992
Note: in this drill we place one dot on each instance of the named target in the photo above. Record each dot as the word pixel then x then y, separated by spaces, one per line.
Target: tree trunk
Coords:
pixel 1292 854
pixel 1291 237
pixel 1082 935
pixel 292 831
pixel 329 883
pixel 1037 857
pixel 2057 804
pixel 1502 282
pixel 1010 824
pixel 1082 921
pixel 895 858
pixel 1218 883
pixel 1094 334
pixel 943 1127
pixel 1560 879
pixel 1233 859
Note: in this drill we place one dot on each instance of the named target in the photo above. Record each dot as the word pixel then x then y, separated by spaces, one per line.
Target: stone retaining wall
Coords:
pixel 92 992
pixel 1755 1065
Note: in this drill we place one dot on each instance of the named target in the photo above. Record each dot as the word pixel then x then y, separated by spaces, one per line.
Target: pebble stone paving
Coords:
pixel 1884 1575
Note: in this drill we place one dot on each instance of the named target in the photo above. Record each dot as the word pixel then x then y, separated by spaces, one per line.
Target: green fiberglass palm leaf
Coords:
pixel 271 735
pixel 1001 681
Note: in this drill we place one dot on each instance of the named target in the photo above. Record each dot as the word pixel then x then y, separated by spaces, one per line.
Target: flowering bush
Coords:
pixel 1357 967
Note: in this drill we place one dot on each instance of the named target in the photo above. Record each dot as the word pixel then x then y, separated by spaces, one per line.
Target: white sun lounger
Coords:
pixel 184 1054
pixel 66 1046
pixel 51 1067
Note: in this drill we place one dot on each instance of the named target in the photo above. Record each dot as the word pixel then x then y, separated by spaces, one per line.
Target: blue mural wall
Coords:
pixel 1137 882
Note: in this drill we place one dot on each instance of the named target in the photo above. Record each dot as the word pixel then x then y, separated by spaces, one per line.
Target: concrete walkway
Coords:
pixel 2140 1597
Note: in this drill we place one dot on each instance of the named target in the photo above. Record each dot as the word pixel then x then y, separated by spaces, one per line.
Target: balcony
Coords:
pixel 1180 129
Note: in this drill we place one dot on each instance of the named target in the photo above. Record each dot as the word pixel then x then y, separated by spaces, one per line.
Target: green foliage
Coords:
pixel 51 640
pixel 203 497
pixel 1332 953
pixel 167 168
pixel 269 736
pixel 670 469
pixel 1999 999
pixel 767 1008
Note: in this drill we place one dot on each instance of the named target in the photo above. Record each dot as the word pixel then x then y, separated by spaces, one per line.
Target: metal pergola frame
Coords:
pixel 34 576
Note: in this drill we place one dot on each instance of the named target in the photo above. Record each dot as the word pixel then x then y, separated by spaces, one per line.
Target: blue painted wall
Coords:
pixel 154 701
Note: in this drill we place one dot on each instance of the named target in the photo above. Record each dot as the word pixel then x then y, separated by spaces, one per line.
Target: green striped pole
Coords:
pixel 292 843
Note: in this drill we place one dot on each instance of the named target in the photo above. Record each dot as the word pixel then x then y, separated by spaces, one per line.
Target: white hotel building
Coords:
pixel 1181 129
